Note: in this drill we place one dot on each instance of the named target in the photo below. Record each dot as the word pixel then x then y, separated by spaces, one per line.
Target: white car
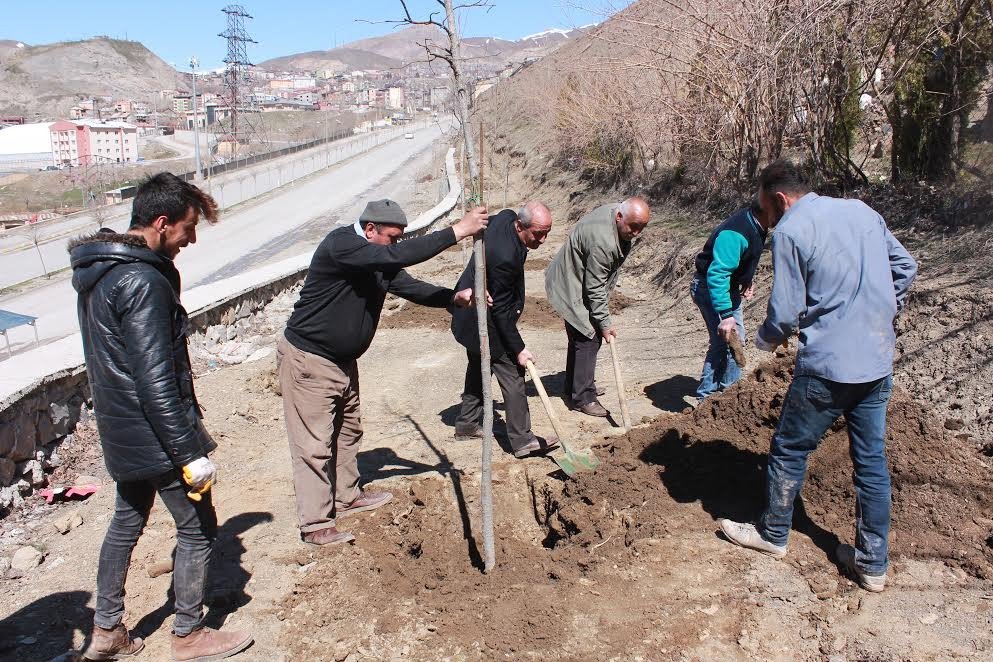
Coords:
pixel 408 136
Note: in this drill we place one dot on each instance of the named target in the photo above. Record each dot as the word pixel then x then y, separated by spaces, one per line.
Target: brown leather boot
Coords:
pixel 327 536
pixel 207 645
pixel 112 644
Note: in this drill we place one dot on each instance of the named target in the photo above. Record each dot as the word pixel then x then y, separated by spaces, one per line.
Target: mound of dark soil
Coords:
pixel 942 487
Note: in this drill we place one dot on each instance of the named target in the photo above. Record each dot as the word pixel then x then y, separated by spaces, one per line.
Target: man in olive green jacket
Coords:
pixel 578 284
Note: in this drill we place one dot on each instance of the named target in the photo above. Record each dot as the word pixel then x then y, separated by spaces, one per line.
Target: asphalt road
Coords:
pixel 21 260
pixel 255 233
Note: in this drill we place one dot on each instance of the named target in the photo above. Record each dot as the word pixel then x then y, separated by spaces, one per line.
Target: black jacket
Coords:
pixel 505 256
pixel 342 298
pixel 134 339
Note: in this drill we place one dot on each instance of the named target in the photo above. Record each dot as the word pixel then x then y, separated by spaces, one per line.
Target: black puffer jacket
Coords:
pixel 134 339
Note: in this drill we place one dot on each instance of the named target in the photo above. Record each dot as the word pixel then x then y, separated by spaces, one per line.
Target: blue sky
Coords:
pixel 178 29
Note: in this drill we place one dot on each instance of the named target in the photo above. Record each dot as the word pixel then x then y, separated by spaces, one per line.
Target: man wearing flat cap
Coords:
pixel 332 325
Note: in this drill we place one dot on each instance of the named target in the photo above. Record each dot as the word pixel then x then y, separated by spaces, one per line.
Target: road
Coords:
pixel 22 260
pixel 257 233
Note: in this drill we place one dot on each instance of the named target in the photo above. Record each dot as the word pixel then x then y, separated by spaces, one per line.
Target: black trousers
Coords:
pixel 580 366
pixel 510 376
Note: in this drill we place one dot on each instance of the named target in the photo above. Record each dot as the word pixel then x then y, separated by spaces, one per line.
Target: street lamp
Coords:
pixel 194 63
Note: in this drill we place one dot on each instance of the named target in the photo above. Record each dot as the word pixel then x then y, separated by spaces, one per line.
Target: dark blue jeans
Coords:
pixel 812 405
pixel 196 528
pixel 719 369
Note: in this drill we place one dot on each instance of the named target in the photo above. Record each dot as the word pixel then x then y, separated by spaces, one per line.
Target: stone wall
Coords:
pixel 39 419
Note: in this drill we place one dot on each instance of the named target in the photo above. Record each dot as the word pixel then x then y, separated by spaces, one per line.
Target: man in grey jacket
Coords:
pixel 840 279
pixel 578 284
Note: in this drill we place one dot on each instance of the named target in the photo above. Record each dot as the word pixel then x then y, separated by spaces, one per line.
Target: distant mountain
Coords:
pixel 43 82
pixel 401 47
pixel 337 60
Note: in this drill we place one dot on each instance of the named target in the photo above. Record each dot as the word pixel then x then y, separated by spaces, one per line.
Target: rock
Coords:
pixel 983 522
pixel 231 333
pixel 66 524
pixel 954 424
pixel 808 632
pixel 26 558
pixel 10 497
pixel 4 566
pixel 59 414
pixel 6 471
pixel 159 568
pixel 258 355
pixel 341 651
pixel 34 471
pixel 86 479
pixel 929 619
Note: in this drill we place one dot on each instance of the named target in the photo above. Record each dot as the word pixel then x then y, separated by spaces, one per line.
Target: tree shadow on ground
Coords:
pixel 449 414
pixel 456 478
pixel 727 481
pixel 44 629
pixel 226 577
pixel 381 463
pixel 668 394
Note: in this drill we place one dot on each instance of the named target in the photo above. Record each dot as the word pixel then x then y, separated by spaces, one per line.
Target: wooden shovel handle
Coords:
pixel 536 378
pixel 625 414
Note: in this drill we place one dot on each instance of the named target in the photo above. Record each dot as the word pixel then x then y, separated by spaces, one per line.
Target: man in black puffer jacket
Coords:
pixel 134 338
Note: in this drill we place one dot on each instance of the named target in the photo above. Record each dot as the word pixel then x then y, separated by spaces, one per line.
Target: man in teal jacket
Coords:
pixel 724 271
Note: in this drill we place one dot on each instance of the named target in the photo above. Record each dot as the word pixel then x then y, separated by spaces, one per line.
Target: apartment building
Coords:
pixel 91 142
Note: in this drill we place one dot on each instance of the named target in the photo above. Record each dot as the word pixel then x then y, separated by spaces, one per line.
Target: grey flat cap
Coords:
pixel 384 211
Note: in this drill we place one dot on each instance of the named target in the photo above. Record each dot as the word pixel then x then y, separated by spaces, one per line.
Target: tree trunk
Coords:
pixel 479 287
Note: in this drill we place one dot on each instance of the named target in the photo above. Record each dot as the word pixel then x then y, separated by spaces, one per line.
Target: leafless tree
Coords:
pixel 448 49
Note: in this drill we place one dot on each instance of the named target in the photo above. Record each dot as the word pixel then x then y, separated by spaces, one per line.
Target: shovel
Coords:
pixel 568 460
pixel 625 414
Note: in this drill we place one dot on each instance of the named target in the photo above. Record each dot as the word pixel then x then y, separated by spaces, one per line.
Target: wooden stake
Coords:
pixel 479 284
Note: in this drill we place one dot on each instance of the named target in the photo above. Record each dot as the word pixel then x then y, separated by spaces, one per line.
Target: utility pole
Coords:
pixel 194 62
pixel 236 60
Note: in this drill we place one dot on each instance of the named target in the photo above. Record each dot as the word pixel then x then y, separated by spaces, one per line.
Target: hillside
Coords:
pixel 401 47
pixel 943 357
pixel 43 82
pixel 338 60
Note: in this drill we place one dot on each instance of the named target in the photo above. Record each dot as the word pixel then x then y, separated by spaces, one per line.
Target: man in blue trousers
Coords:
pixel 724 272
pixel 840 279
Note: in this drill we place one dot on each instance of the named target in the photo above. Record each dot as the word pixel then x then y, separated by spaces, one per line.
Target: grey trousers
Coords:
pixel 510 376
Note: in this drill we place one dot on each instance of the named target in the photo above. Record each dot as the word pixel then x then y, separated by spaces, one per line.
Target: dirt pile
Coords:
pixel 410 582
pixel 942 488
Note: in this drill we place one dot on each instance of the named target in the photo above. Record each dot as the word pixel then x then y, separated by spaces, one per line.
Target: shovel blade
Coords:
pixel 571 462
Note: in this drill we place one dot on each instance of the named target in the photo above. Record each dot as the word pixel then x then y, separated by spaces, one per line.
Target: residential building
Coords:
pixel 184 102
pixel 394 98
pixel 89 142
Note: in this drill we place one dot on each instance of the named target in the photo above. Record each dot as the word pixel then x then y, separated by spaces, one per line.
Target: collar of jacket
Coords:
pixel 797 207
pixel 92 256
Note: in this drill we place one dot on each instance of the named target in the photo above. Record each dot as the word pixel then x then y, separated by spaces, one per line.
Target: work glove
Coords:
pixel 199 474
pixel 762 344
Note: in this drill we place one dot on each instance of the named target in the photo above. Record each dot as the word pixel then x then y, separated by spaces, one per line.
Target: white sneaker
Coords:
pixel 747 536
pixel 846 557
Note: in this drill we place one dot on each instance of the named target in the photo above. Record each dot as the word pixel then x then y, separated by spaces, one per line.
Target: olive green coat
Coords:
pixel 579 280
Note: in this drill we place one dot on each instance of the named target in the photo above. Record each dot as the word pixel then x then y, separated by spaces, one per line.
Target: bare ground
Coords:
pixel 621 564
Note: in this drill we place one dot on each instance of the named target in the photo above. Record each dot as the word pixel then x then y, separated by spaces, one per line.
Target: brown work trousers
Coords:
pixel 324 428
